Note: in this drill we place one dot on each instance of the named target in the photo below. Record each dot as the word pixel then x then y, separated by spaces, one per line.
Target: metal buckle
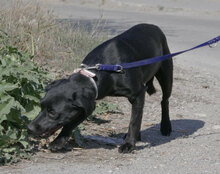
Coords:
pixel 83 66
pixel 97 66
pixel 120 70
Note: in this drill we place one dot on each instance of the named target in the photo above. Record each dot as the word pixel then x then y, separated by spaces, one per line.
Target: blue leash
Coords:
pixel 119 67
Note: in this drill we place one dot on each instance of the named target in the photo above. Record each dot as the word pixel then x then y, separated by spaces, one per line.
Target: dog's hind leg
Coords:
pixel 135 124
pixel 165 78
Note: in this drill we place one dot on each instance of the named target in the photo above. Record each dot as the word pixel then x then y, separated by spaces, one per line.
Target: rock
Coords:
pixel 216 127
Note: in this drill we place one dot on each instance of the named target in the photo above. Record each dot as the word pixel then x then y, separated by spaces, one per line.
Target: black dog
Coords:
pixel 69 101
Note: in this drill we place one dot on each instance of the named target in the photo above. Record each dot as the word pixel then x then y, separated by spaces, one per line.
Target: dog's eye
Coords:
pixel 74 106
pixel 51 112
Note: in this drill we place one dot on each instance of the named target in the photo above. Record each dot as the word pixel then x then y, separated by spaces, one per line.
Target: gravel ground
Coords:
pixel 194 145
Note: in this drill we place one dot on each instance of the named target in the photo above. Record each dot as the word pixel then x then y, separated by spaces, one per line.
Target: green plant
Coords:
pixel 76 135
pixel 104 107
pixel 21 86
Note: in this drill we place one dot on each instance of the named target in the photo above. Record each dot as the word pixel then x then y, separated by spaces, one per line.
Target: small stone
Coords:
pixel 216 127
pixel 202 115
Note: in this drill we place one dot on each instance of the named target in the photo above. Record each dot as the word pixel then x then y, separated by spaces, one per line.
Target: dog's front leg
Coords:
pixel 134 126
pixel 61 141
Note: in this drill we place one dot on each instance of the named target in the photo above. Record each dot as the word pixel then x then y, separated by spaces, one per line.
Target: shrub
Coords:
pixel 21 86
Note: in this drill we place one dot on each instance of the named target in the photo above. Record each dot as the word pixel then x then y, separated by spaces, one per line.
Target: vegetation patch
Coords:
pixel 32 38
pixel 21 87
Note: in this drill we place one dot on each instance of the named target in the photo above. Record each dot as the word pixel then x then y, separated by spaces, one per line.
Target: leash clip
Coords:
pixel 120 70
pixel 83 66
pixel 213 44
pixel 97 66
pixel 114 68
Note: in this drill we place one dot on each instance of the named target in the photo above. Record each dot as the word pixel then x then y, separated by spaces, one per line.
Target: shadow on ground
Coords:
pixel 181 129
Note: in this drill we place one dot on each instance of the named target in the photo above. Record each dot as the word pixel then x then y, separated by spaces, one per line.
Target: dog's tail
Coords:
pixel 150 87
pixel 166 49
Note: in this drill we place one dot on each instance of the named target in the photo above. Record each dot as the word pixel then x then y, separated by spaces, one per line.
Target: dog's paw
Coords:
pixel 165 128
pixel 57 146
pixel 126 148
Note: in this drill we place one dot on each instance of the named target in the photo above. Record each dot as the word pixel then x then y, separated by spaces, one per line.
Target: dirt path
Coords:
pixel 194 145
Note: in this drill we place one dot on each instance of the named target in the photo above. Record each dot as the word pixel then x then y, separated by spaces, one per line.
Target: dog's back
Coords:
pixel 139 42
pixel 134 44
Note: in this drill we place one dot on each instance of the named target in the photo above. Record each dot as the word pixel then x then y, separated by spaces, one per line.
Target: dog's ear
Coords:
pixel 85 100
pixel 53 84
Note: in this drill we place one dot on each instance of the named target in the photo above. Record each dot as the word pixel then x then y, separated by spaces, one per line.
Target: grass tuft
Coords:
pixel 54 44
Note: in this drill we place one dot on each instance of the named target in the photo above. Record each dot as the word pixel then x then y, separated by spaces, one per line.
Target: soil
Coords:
pixel 192 110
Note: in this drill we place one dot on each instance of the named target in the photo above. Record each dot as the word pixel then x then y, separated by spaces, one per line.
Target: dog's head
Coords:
pixel 66 101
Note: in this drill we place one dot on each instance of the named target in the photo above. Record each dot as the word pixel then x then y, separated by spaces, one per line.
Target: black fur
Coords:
pixel 69 101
